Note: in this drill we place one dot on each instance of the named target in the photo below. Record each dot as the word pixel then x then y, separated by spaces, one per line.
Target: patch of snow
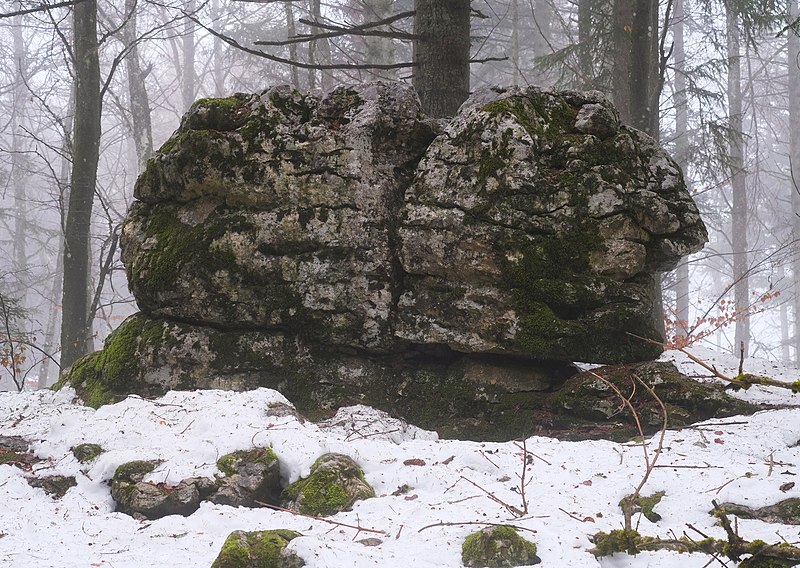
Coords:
pixel 573 490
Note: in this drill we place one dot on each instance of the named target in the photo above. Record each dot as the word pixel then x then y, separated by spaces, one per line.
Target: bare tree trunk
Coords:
pixel 794 154
pixel 76 321
pixel 441 55
pixel 741 287
pixel 19 166
pixel 291 31
pixel 622 37
pixel 140 103
pixel 380 50
pixel 682 157
pixel 585 67
pixel 189 78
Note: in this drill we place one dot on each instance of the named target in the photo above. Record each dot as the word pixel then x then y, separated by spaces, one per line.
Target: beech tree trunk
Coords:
pixel 738 233
pixel 137 92
pixel 441 55
pixel 189 78
pixel 634 67
pixel 380 50
pixel 76 331
pixel 794 153
pixel 682 157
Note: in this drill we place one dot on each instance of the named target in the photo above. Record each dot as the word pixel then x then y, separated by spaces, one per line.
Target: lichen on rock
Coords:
pixel 333 485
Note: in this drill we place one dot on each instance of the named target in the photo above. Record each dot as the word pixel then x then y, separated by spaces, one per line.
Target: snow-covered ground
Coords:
pixel 572 491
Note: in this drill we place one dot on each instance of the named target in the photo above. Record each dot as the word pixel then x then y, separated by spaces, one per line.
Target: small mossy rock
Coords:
pixel 258 549
pixel 54 485
pixel 85 453
pixel 596 410
pixel 333 485
pixel 498 547
pixel 14 451
pixel 786 512
pixel 248 476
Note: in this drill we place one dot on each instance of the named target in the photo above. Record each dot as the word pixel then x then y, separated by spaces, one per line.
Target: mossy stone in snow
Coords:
pixel 259 549
pixel 498 547
pixel 334 484
pixel 85 453
pixel 248 477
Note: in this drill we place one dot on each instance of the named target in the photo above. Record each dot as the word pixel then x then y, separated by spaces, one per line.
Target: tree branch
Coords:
pixel 43 7
pixel 233 43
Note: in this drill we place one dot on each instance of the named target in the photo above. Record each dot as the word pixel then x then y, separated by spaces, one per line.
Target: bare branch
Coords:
pixel 43 7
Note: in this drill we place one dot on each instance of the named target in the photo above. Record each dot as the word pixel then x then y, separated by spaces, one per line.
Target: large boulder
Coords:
pixel 346 249
pixel 534 225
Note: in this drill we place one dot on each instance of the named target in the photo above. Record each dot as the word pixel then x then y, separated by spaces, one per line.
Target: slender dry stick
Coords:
pixel 511 508
pixel 329 521
pixel 484 523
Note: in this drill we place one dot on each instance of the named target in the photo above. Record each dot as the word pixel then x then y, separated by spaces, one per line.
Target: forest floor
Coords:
pixel 431 493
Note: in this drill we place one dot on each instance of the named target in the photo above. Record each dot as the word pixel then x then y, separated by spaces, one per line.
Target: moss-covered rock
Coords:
pixel 144 500
pixel 85 453
pixel 248 477
pixel 333 485
pixel 498 547
pixel 259 549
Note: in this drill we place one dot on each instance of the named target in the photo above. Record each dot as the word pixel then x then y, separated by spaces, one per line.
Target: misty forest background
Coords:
pixel 717 82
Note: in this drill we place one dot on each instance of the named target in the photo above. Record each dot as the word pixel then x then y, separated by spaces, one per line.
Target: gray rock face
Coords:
pixel 277 211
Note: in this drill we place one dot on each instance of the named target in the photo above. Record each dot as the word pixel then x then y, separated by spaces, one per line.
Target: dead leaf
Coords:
pixel 414 461
pixel 786 486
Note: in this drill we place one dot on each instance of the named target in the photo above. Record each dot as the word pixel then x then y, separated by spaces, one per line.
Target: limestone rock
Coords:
pixel 333 485
pixel 258 549
pixel 536 226
pixel 249 476
pixel 277 210
pixel 498 547
pixel 346 249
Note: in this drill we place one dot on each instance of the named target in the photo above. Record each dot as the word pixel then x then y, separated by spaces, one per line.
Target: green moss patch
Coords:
pixel 105 376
